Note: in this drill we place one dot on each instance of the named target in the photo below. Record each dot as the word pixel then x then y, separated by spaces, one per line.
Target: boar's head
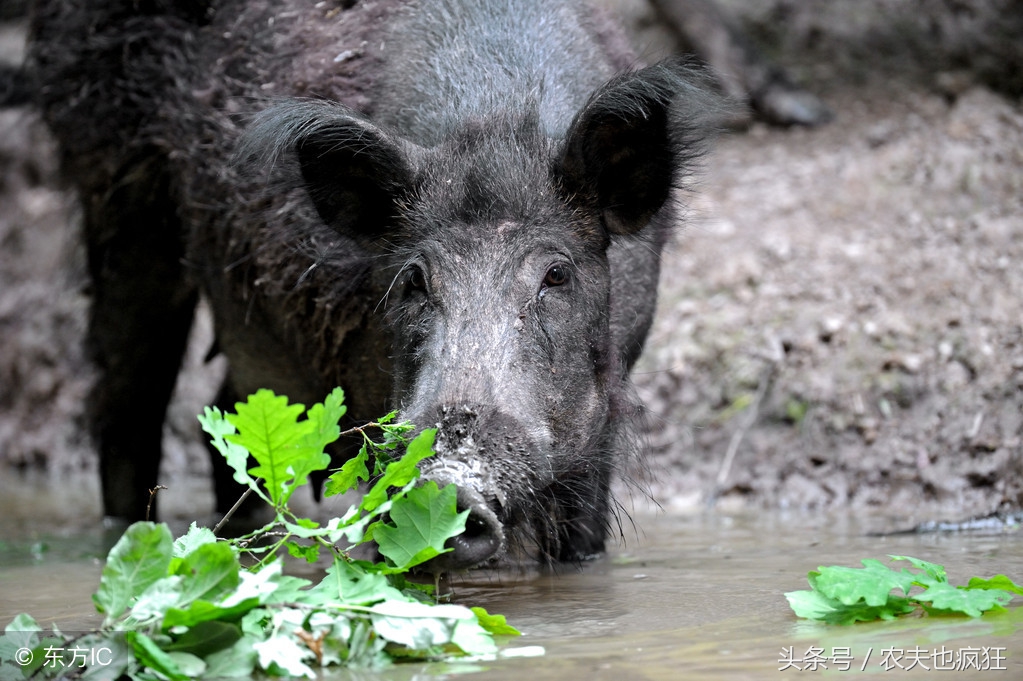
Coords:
pixel 499 290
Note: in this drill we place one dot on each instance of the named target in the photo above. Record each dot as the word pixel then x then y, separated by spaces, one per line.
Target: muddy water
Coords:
pixel 686 596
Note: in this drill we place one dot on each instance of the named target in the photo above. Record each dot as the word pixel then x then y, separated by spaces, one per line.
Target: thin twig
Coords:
pixel 749 418
pixel 237 505
pixel 152 498
pixel 359 429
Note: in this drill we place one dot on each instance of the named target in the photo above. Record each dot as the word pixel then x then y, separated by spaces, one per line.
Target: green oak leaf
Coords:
pixel 1000 582
pixel 149 654
pixel 816 606
pixel 972 602
pixel 187 608
pixel 495 624
pixel 345 582
pixel 139 558
pixel 216 425
pixel 348 476
pixel 205 611
pixel 417 625
pixel 871 583
pixel 934 571
pixel 193 539
pixel 283 656
pixel 209 571
pixel 205 638
pixel 236 661
pixel 268 427
pixel 152 603
pixel 326 418
pixel 421 521
pixel 308 552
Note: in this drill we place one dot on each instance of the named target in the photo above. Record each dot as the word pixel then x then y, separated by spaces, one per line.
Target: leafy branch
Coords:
pixel 202 607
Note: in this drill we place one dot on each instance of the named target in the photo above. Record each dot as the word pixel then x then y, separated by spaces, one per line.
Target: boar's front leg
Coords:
pixel 141 315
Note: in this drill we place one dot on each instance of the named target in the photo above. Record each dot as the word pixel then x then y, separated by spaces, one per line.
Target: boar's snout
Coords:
pixel 485 453
pixel 483 537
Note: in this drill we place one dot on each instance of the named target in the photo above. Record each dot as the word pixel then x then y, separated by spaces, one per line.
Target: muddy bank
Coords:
pixel 841 320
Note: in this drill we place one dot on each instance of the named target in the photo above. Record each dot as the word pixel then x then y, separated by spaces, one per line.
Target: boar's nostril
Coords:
pixel 480 542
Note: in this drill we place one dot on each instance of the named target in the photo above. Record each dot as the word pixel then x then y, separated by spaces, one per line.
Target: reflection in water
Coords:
pixel 697 596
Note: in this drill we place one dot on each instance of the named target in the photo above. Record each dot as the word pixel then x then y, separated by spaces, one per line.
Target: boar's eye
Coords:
pixel 415 279
pixel 557 275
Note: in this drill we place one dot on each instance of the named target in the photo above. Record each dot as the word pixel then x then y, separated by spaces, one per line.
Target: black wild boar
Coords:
pixel 451 208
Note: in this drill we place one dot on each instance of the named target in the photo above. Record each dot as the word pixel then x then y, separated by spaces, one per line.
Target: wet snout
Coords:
pixel 496 461
pixel 484 537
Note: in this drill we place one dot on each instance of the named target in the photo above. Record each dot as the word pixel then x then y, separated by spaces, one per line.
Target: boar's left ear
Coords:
pixel 353 171
pixel 628 146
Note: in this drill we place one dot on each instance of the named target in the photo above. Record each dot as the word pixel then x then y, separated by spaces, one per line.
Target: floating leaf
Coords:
pixel 871 583
pixel 972 602
pixel 816 606
pixel 283 656
pixel 495 624
pixel 206 638
pixel 844 595
pixel 935 572
pixel 150 655
pixel 237 661
pixel 345 582
pixel 418 625
pixel 1000 582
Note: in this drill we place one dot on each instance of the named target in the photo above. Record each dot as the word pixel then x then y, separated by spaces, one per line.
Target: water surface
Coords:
pixel 686 596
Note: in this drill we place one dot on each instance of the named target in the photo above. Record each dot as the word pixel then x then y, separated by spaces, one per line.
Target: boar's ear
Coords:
pixel 353 171
pixel 629 146
pixel 354 174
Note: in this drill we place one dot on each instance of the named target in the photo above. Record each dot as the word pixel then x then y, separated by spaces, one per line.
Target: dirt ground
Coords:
pixel 841 318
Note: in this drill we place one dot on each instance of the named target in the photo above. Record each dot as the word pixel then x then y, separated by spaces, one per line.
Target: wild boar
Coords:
pixel 455 209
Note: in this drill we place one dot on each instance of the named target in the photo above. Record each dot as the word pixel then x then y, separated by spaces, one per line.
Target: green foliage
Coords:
pixel 139 559
pixel 420 526
pixel 201 607
pixel 871 583
pixel 999 582
pixel 816 606
pixel 843 595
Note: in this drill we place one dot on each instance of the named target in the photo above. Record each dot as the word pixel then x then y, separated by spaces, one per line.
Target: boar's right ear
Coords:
pixel 353 171
pixel 633 141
